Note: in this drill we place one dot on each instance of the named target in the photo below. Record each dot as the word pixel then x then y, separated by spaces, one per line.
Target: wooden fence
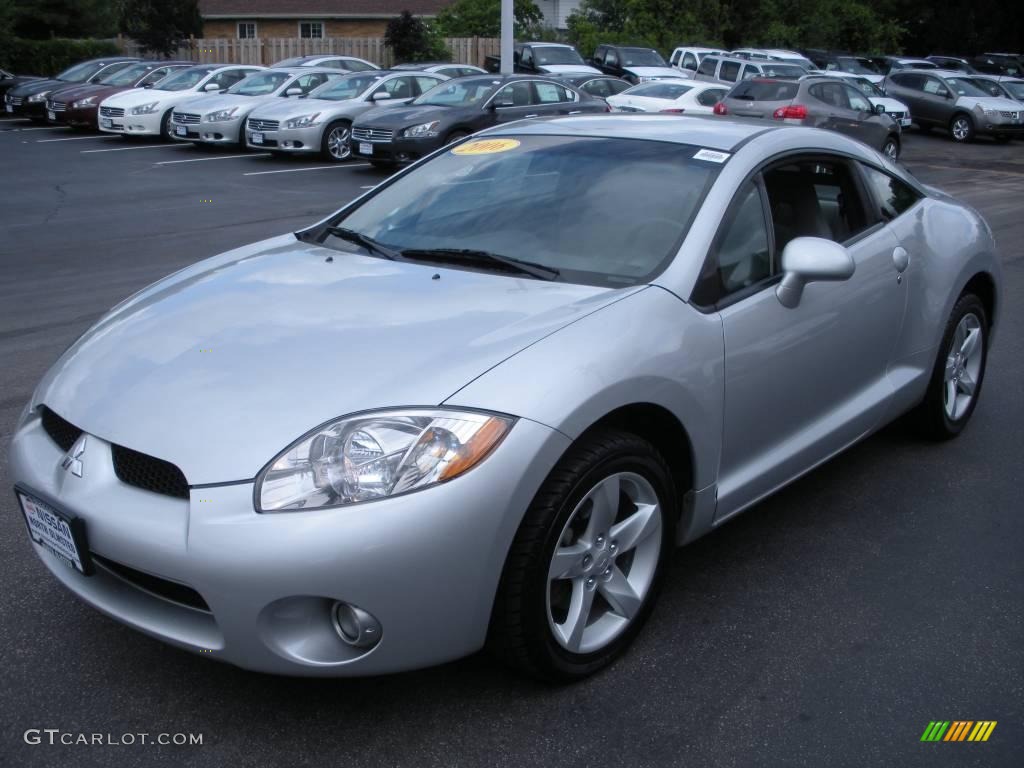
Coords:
pixel 268 50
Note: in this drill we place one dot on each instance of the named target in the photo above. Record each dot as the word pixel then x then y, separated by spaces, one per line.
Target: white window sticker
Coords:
pixel 711 156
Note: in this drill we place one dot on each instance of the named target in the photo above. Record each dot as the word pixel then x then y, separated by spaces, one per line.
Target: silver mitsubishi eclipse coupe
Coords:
pixel 480 404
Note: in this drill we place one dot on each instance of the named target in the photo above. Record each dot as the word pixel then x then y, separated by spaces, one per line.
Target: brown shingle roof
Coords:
pixel 314 9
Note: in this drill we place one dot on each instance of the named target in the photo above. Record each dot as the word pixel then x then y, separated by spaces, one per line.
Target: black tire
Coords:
pixel 931 417
pixel 165 125
pixel 520 634
pixel 456 136
pixel 891 148
pixel 341 127
pixel 961 125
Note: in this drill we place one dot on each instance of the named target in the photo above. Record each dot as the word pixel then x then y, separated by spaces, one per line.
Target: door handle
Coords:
pixel 900 258
pixel 531 115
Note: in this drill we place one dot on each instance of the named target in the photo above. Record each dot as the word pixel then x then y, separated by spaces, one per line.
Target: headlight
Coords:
pixel 372 456
pixel 224 114
pixel 423 130
pixel 302 122
pixel 145 109
pixel 39 96
pixel 83 102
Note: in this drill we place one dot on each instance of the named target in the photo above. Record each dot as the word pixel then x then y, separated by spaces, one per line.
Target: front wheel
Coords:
pixel 961 128
pixel 584 568
pixel 166 127
pixel 891 148
pixel 336 145
pixel 455 136
pixel 959 371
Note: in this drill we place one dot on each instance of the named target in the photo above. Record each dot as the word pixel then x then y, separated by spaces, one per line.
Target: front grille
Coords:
pixel 263 125
pixel 14 101
pixel 56 106
pixel 148 472
pixel 62 432
pixel 164 588
pixel 372 134
pixel 186 118
pixel 112 111
pixel 897 115
pixel 1010 115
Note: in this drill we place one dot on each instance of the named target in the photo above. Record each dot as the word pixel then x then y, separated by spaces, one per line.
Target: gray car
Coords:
pixel 820 101
pixel 954 102
pixel 483 402
pixel 322 122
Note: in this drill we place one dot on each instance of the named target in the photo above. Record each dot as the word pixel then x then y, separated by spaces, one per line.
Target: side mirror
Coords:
pixel 809 260
pixel 879 109
pixel 293 91
pixel 380 95
pixel 211 87
pixel 148 85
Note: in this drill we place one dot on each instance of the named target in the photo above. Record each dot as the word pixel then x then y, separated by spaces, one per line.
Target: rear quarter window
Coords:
pixel 753 90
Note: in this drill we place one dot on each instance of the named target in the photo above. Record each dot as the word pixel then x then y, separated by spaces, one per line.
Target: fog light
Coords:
pixel 355 626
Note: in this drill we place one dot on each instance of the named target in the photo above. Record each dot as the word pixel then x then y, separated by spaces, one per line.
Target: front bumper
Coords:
pixel 292 140
pixel 224 132
pixel 1001 126
pixel 33 110
pixel 132 125
pixel 426 565
pixel 398 150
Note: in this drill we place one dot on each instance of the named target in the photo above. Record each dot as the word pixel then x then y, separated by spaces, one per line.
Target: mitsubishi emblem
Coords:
pixel 73 459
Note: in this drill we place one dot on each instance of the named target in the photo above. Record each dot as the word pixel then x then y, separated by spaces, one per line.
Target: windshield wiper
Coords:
pixel 351 236
pixel 470 256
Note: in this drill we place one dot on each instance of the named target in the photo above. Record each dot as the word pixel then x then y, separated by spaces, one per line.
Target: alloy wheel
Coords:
pixel 961 129
pixel 338 144
pixel 891 150
pixel 963 366
pixel 604 563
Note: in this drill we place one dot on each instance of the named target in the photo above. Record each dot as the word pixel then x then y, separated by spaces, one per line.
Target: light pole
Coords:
pixel 507 22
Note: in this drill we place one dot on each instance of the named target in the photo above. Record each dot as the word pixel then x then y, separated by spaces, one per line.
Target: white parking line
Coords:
pixel 74 138
pixel 12 119
pixel 42 128
pixel 222 157
pixel 314 168
pixel 126 149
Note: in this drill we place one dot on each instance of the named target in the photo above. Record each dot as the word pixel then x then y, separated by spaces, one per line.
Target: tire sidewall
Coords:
pixel 324 148
pixel 574 665
pixel 968 304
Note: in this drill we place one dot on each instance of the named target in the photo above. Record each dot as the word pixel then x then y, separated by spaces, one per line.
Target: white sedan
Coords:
pixel 671 96
pixel 147 111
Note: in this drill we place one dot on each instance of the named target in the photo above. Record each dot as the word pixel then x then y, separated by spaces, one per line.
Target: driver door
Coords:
pixel 801 383
pixel 515 101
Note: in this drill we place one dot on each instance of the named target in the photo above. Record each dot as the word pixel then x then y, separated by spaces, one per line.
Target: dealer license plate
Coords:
pixel 64 536
pixel 181 130
pixel 9 108
pixel 365 148
pixel 50 114
pixel 106 122
pixel 256 138
pixel 905 122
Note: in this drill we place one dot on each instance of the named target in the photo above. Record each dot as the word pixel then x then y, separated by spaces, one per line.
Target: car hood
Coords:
pixel 397 117
pixel 563 68
pixel 653 71
pixel 133 97
pixel 891 105
pixel 282 109
pixel 35 86
pixel 988 102
pixel 205 104
pixel 222 365
pixel 81 91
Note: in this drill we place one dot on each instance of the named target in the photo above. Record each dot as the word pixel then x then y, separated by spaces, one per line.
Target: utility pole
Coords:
pixel 507 22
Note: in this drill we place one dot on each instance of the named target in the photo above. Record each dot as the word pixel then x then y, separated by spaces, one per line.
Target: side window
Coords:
pixel 707 67
pixel 549 93
pixel 814 198
pixel 519 94
pixel 597 88
pixel 857 100
pixel 711 96
pixel 612 59
pixel 398 88
pixel 157 74
pixel 424 83
pixel 527 56
pixel 599 54
pixel 750 71
pixel 308 82
pixel 617 86
pixel 729 71
pixel 934 86
pixel 690 62
pixel 229 77
pixel 893 196
pixel 674 61
pixel 743 256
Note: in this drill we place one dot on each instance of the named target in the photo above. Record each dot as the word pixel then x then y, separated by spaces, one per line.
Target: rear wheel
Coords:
pixel 336 144
pixel 961 128
pixel 584 568
pixel 959 371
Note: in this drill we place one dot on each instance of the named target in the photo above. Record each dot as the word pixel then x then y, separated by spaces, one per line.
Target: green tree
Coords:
pixel 410 39
pixel 160 25
pixel 471 18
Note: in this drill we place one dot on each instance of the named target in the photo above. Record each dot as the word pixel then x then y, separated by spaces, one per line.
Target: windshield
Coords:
pixel 183 80
pixel 458 93
pixel 564 202
pixel 260 84
pixel 852 65
pixel 126 76
pixel 345 88
pixel 641 57
pixel 964 87
pixel 1016 90
pixel 556 55
pixel 660 90
pixel 991 87
pixel 81 72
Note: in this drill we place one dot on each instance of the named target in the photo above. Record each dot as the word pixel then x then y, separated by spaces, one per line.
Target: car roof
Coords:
pixel 549 45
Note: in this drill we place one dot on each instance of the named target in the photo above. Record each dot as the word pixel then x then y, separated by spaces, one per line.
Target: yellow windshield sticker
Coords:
pixel 485 147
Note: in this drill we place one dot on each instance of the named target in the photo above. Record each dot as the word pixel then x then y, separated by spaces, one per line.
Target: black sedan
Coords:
pixel 10 80
pixel 29 99
pixel 601 86
pixel 456 108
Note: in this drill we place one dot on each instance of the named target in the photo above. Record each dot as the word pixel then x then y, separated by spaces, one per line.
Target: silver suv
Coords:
pixel 955 102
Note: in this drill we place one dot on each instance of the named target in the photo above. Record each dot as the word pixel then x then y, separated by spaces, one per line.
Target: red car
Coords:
pixel 78 104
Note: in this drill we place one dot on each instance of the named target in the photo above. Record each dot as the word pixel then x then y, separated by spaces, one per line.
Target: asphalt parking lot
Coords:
pixel 826 627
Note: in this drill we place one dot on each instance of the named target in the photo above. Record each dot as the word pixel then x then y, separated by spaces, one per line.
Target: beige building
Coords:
pixel 312 19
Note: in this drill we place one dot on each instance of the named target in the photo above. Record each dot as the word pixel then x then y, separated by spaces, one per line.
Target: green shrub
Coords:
pixel 48 57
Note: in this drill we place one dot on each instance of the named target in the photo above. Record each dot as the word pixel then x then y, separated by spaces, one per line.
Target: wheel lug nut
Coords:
pixel 600 541
pixel 590 582
pixel 613 547
pixel 608 571
pixel 587 560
